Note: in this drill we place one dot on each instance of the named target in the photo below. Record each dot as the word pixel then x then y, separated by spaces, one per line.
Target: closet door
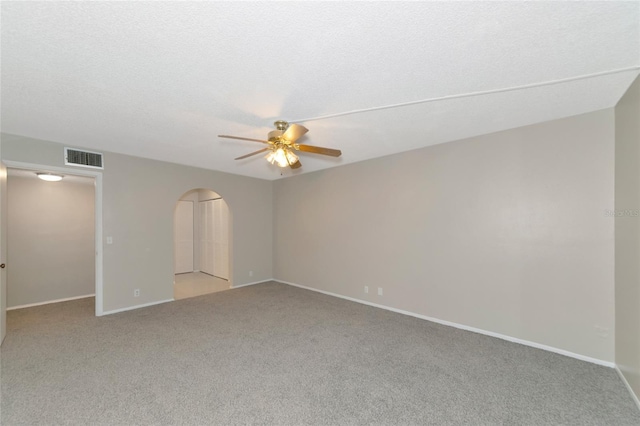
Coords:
pixel 220 239
pixel 183 237
pixel 206 237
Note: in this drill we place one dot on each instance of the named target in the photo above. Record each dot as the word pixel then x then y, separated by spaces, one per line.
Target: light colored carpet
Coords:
pixel 275 354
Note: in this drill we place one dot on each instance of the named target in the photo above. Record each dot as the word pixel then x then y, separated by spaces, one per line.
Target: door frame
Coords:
pixel 98 215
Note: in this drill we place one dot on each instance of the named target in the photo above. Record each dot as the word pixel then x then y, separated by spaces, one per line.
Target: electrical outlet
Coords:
pixel 136 292
pixel 379 291
pixel 366 289
pixel 250 273
pixel 109 240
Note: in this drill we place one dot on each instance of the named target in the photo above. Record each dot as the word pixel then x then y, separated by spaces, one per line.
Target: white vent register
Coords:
pixel 74 157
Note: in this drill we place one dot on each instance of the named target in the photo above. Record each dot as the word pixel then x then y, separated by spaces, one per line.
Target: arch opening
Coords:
pixel 202 244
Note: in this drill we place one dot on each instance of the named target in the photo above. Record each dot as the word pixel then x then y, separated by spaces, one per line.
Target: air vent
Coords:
pixel 75 157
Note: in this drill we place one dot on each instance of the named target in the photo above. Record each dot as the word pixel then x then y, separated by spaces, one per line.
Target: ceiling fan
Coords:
pixel 282 144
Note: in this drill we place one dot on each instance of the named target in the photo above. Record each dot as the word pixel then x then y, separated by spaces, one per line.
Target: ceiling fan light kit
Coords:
pixel 282 144
pixel 283 157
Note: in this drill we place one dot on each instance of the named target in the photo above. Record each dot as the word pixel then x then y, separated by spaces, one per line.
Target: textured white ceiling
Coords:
pixel 162 79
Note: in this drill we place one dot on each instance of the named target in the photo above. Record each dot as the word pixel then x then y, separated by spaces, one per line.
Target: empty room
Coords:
pixel 322 213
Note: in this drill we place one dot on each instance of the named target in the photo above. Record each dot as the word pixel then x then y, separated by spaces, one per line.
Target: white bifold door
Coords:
pixel 183 237
pixel 214 238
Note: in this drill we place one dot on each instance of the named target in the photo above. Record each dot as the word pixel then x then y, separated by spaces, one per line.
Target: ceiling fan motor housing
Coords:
pixel 275 134
pixel 281 125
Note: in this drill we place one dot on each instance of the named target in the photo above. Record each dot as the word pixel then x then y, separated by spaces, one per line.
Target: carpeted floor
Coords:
pixel 275 354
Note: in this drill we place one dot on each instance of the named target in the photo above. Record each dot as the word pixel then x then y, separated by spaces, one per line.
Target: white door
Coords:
pixel 183 237
pixel 220 239
pixel 206 237
pixel 214 238
pixel 3 251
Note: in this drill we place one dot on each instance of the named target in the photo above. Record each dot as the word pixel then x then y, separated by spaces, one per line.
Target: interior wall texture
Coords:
pixel 504 232
pixel 139 198
pixel 627 231
pixel 52 239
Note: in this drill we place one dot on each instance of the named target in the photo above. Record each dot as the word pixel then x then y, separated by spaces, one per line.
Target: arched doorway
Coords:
pixel 201 233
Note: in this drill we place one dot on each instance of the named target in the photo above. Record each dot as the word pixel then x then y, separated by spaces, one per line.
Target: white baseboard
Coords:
pixel 130 308
pixel 626 383
pixel 30 305
pixel 463 327
pixel 253 283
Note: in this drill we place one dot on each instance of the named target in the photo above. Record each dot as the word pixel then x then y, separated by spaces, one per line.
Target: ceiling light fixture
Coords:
pixel 49 177
pixel 282 156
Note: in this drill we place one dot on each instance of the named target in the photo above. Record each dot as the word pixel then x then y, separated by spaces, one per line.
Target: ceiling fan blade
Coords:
pixel 320 150
pixel 243 139
pixel 294 132
pixel 295 165
pixel 253 153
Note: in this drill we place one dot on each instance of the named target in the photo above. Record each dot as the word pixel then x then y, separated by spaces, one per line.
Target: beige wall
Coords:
pixel 51 239
pixel 139 198
pixel 627 208
pixel 504 232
